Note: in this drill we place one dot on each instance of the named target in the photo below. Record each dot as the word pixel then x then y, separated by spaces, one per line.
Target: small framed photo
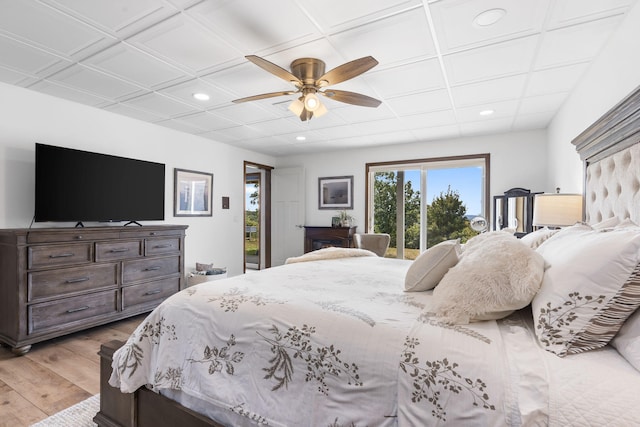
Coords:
pixel 335 192
pixel 192 193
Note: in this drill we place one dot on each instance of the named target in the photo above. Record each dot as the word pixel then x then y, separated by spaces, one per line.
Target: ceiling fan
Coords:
pixel 310 80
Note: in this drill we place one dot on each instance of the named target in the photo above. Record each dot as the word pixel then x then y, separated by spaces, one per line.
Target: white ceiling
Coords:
pixel 437 69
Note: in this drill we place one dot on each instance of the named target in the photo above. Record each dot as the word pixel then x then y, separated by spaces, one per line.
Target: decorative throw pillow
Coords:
pixel 607 223
pixel 536 238
pixel 426 271
pixel 592 285
pixel 490 281
pixel 627 342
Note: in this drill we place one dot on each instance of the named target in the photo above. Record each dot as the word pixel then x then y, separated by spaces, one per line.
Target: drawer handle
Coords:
pixel 151 268
pixel 157 291
pixel 61 255
pixel 115 251
pixel 79 237
pixel 78 280
pixel 75 310
pixel 161 246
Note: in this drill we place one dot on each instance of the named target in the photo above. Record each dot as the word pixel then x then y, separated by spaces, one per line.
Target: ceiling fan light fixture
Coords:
pixel 297 106
pixel 489 17
pixel 311 102
pixel 320 111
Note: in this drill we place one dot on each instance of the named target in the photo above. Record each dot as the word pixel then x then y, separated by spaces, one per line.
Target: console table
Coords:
pixel 322 237
pixel 54 281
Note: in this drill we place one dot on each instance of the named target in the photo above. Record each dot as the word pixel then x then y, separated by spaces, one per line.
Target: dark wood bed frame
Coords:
pixel 618 129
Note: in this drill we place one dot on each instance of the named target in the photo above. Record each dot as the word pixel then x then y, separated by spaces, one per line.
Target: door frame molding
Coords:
pixel 266 193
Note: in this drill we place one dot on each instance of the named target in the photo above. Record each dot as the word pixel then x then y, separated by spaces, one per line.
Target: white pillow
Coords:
pixel 426 271
pixel 627 342
pixel 591 286
pixel 536 238
pixel 491 280
pixel 607 223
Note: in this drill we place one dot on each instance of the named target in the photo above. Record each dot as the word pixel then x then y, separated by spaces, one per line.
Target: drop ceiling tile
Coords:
pixel 14 78
pixel 342 131
pixel 135 113
pixel 569 12
pixel 184 92
pixel 436 132
pixel 485 127
pixel 378 126
pixel 576 43
pixel 40 25
pixel 280 126
pixel 542 103
pixel 70 94
pixel 136 66
pixel 251 17
pixel 246 112
pixel 353 12
pixel 207 121
pixel 396 39
pixel 242 133
pixel 423 102
pixel 454 21
pixel 489 91
pixel 117 17
pixel 415 77
pixel 26 59
pixel 357 114
pixel 533 121
pixel 553 80
pixel 161 105
pixel 498 60
pixel 180 126
pixel 320 48
pixel 396 137
pixel 95 82
pixel 186 44
pixel 436 119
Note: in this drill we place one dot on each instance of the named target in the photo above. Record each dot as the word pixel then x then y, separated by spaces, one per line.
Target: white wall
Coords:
pixel 517 160
pixel 28 117
pixel 610 78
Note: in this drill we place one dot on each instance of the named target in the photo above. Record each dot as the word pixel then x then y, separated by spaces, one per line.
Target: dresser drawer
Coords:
pixel 162 246
pixel 64 281
pixel 67 236
pixel 54 314
pixel 149 268
pixel 150 293
pixel 47 256
pixel 108 251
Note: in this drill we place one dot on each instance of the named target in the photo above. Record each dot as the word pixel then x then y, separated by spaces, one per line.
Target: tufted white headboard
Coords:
pixel 610 149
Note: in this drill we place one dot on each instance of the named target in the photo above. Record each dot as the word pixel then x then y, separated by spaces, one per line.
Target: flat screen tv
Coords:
pixel 76 185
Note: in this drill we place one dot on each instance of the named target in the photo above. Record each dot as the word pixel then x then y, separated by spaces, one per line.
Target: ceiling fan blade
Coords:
pixel 274 69
pixel 346 71
pixel 351 98
pixel 263 96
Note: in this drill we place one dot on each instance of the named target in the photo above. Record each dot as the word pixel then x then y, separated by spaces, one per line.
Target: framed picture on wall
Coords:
pixel 335 192
pixel 192 193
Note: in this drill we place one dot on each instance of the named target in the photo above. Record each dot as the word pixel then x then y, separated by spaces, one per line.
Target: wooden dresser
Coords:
pixel 54 281
pixel 322 237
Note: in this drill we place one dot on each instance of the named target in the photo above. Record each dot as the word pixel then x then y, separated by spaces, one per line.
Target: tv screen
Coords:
pixel 75 185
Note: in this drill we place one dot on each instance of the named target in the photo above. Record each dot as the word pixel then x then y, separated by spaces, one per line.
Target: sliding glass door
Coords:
pixel 423 202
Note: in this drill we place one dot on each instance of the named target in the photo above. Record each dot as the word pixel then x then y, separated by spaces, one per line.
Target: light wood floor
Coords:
pixel 55 374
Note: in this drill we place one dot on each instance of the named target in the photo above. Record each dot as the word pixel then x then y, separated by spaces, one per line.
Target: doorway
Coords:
pixel 257 217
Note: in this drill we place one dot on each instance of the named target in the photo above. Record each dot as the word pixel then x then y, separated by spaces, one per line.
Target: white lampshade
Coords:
pixel 557 210
pixel 297 106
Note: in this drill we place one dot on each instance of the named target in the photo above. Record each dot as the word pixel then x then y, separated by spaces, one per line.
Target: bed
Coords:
pixel 339 342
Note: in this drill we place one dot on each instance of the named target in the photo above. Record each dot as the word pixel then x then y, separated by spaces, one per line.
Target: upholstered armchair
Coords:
pixel 374 242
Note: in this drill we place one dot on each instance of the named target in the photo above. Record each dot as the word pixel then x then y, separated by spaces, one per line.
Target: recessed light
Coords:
pixel 201 96
pixel 486 112
pixel 489 17
pixel 301 138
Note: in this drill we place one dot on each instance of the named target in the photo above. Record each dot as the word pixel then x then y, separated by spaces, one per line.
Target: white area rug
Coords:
pixel 79 415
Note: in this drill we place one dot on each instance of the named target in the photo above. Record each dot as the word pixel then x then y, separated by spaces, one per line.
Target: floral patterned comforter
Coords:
pixel 332 343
